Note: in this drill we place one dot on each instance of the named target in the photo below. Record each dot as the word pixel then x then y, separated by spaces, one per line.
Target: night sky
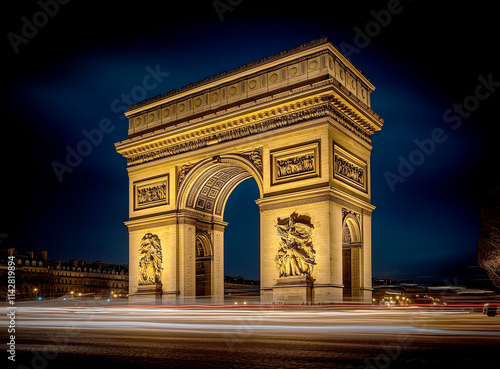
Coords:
pixel 81 65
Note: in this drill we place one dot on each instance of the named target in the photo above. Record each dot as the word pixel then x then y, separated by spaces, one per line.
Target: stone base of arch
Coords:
pixel 327 209
pixel 293 290
pixel 151 293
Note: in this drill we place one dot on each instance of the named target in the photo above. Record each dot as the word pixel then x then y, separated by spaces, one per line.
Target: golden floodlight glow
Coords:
pixel 299 124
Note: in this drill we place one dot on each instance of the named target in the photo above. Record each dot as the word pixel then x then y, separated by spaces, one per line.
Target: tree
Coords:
pixel 489 239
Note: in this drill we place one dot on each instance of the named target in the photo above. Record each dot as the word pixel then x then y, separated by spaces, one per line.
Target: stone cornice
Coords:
pixel 313 196
pixel 254 118
pixel 146 153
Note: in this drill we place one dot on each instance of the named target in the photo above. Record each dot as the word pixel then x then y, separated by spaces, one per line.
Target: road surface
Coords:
pixel 161 337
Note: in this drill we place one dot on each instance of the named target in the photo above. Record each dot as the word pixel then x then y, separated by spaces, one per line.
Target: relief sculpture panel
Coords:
pixel 150 259
pixel 349 169
pixel 295 163
pixel 296 255
pixel 151 192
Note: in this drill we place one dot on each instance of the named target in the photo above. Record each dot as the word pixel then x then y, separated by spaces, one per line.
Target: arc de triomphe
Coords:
pixel 299 124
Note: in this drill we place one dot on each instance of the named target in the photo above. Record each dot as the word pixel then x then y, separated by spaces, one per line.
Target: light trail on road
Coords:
pixel 412 320
pixel 272 337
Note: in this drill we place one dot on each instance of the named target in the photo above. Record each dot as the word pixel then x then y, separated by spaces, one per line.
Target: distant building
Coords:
pixel 36 276
pixel 240 282
pixel 239 286
pixel 384 282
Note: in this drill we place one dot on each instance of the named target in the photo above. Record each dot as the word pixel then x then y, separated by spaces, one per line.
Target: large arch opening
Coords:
pixel 204 191
pixel 242 241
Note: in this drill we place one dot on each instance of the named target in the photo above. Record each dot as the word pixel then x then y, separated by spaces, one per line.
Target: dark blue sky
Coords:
pixel 68 76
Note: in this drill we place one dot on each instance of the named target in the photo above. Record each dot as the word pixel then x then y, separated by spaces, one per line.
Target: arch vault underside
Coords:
pixel 207 186
pixel 298 123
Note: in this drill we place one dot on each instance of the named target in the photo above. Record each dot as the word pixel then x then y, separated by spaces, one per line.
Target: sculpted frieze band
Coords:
pixel 265 125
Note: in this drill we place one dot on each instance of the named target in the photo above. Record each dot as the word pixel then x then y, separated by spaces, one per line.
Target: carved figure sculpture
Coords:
pixel 296 255
pixel 348 170
pixel 150 258
pixel 295 165
pixel 256 158
pixel 151 194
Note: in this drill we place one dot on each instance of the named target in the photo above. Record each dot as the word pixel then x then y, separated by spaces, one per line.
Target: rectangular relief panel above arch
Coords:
pixel 295 163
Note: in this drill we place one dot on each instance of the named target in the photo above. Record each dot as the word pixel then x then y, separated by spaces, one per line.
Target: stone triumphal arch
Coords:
pixel 300 124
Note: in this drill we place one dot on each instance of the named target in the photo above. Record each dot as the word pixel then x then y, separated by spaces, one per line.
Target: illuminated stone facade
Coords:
pixel 298 123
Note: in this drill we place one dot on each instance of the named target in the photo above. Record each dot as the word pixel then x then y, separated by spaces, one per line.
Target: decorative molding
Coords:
pixel 319 111
pixel 346 212
pixel 295 163
pixel 151 192
pixel 183 171
pixel 255 157
pixel 205 232
pixel 309 200
pixel 293 203
pixel 168 151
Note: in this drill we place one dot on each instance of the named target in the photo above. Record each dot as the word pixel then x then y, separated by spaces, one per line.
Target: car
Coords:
pixel 491 310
